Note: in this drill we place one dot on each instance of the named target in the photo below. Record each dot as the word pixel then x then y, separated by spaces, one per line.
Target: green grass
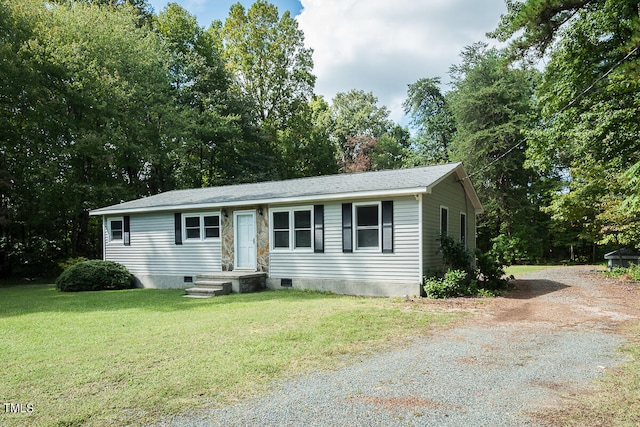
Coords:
pixel 515 270
pixel 128 357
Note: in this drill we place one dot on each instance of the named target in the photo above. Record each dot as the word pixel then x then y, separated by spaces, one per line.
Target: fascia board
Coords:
pixel 271 201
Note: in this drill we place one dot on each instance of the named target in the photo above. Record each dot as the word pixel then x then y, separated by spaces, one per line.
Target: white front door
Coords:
pixel 245 240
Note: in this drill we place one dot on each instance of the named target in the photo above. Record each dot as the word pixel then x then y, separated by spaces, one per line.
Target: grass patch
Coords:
pixel 614 399
pixel 515 270
pixel 130 356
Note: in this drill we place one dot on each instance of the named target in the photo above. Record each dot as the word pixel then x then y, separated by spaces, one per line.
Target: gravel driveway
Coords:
pixel 512 357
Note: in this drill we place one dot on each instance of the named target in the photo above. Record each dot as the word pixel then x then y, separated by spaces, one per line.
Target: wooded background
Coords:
pixel 103 101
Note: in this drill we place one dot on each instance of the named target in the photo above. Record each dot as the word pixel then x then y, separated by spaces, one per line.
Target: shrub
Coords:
pixel 491 272
pixel 454 254
pixel 453 284
pixel 95 275
pixel 630 273
pixel 71 261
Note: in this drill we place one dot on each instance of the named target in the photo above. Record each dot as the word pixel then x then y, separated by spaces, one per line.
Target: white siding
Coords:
pixel 153 249
pixel 401 265
pixel 450 194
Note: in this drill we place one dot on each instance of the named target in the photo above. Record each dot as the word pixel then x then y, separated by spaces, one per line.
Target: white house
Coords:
pixel 370 233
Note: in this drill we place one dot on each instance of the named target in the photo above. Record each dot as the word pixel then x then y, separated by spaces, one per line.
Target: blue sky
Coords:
pixel 379 46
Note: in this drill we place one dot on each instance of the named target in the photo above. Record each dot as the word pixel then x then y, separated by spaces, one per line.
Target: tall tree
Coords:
pixel 268 59
pixel 214 140
pixel 430 114
pixel 491 104
pixel 272 68
pixel 589 106
pixel 91 121
pixel 358 123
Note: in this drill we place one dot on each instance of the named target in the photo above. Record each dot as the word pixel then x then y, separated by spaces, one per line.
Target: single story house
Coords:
pixel 369 233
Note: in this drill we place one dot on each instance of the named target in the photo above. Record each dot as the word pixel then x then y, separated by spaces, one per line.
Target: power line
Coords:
pixel 554 115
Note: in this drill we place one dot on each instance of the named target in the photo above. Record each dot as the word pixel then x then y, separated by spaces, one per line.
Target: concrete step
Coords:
pixel 208 288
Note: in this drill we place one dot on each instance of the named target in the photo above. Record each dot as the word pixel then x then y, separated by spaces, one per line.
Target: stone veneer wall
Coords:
pixel 262 238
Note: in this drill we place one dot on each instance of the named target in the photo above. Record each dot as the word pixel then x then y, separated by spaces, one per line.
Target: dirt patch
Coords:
pixel 555 298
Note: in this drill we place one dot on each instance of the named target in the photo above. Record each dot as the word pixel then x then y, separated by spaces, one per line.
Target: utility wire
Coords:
pixel 554 115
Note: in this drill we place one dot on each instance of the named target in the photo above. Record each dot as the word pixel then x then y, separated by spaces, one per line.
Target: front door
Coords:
pixel 245 240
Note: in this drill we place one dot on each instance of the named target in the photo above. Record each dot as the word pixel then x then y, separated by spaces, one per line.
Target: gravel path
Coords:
pixel 511 358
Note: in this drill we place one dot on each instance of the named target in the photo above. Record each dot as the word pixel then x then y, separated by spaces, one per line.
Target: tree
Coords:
pixel 268 60
pixel 272 69
pixel 89 126
pixel 431 116
pixel 214 141
pixel 491 105
pixel 589 106
pixel 306 147
pixel 358 124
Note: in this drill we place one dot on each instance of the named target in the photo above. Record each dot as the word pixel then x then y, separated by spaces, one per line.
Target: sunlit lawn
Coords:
pixel 515 270
pixel 129 357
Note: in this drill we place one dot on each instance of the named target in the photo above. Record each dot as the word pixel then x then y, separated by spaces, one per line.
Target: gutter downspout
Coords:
pixel 420 242
pixel 104 243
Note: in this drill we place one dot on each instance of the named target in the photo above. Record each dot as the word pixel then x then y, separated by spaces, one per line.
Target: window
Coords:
pixel 367 227
pixel 281 229
pixel 192 227
pixel 202 227
pixel 463 228
pixel 115 229
pixel 211 227
pixel 302 228
pixel 293 229
pixel 444 221
pixel 370 225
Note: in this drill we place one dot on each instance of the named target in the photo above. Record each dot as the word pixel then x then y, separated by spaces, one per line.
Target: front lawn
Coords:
pixel 132 356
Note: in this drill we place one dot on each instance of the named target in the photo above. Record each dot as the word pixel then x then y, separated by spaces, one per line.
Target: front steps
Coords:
pixel 207 287
pixel 225 282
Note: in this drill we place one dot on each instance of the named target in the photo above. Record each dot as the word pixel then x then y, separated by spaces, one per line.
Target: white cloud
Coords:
pixel 381 46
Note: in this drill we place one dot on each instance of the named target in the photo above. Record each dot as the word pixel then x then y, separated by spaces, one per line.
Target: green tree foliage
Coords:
pixel 272 69
pixel 87 128
pixel 431 116
pixel 365 136
pixel 491 105
pixel 590 108
pixel 214 139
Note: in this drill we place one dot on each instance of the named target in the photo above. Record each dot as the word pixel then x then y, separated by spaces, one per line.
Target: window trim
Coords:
pixel 110 230
pixel 463 223
pixel 272 234
pixel 201 227
pixel 292 230
pixel 356 246
pixel 444 208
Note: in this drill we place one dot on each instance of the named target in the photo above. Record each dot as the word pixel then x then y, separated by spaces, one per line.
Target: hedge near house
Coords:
pixel 95 275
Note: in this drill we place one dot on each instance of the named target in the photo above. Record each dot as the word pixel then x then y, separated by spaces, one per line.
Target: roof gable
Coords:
pixel 389 182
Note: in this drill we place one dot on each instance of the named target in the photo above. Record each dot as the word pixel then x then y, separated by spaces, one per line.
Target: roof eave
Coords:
pixel 114 210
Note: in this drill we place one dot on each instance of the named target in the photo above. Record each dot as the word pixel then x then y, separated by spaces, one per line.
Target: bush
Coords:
pixel 454 254
pixel 630 273
pixel 95 275
pixel 491 272
pixel 453 284
pixel 70 262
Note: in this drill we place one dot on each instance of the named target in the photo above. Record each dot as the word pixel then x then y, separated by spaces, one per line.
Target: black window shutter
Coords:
pixel 126 235
pixel 347 227
pixel 178 227
pixel 387 226
pixel 318 228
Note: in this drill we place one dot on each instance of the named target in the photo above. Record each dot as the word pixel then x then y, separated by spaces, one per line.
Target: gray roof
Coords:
pixel 417 180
